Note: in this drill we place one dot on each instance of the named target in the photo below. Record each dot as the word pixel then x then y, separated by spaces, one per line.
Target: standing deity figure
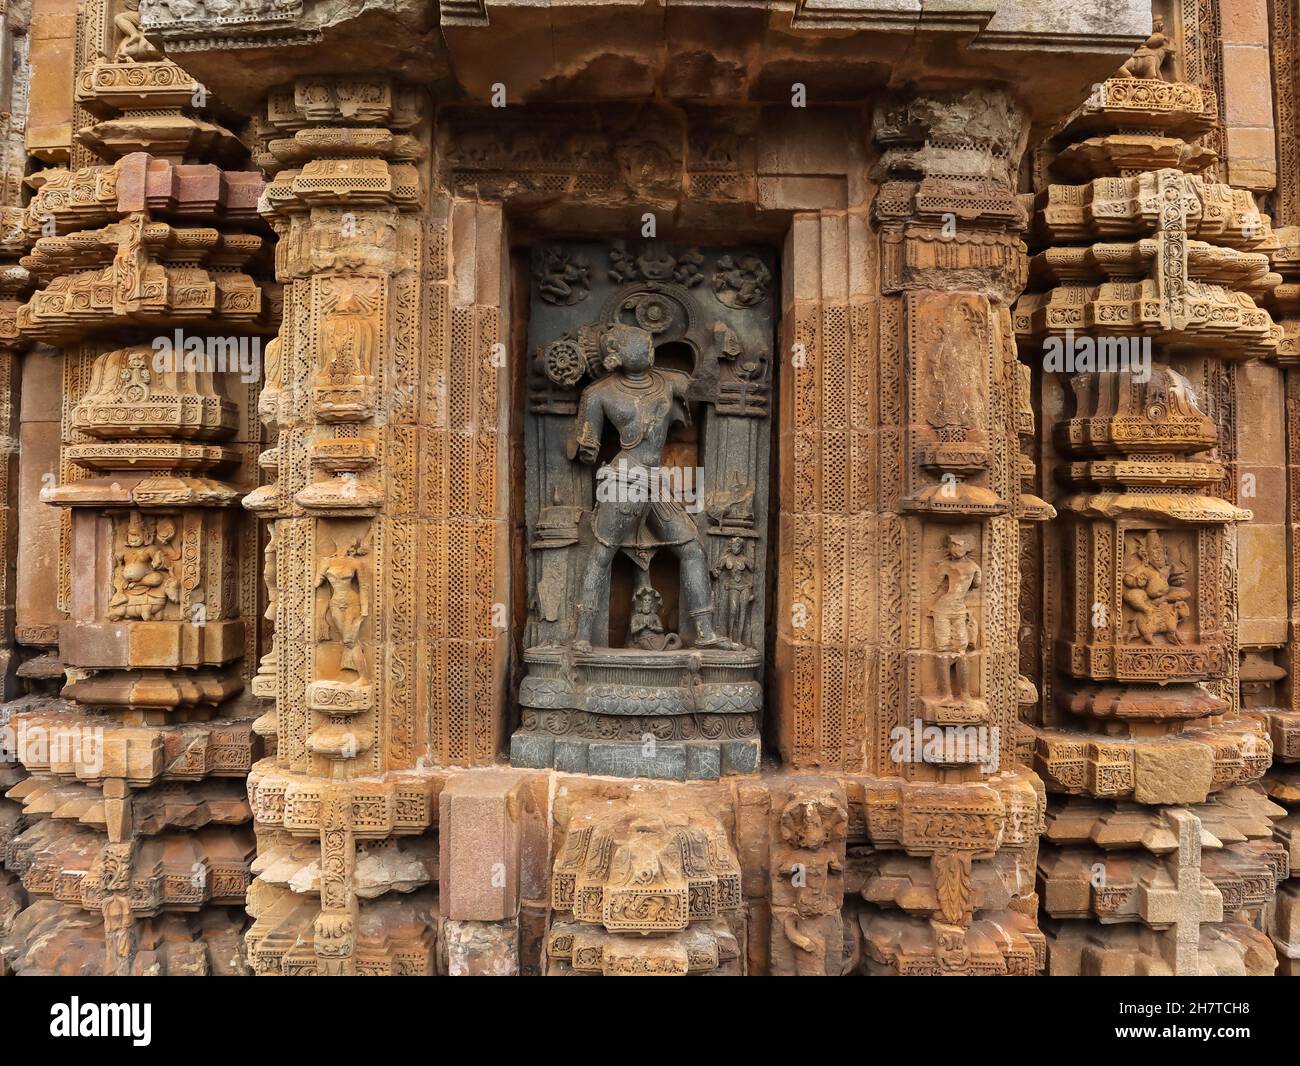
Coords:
pixel 1153 589
pixel 954 628
pixel 642 403
pixel 954 380
pixel 348 604
pixel 735 574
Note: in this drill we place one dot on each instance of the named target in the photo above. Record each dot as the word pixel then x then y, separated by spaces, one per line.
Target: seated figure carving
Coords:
pixel 143 582
pixel 1153 589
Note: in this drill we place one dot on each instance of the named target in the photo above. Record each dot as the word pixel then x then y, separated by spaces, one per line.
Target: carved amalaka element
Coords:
pixel 415 575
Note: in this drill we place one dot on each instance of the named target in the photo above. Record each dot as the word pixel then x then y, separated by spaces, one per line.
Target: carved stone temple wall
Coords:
pixel 1158 856
pixel 802 489
pixel 135 840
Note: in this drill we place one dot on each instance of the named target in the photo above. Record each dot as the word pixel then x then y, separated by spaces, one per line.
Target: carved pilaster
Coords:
pixel 346 404
pixel 947 507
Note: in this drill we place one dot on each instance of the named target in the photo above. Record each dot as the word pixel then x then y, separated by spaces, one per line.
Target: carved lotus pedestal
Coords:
pixel 689 714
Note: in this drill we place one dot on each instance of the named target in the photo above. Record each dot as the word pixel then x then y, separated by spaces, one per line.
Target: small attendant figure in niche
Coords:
pixel 735 575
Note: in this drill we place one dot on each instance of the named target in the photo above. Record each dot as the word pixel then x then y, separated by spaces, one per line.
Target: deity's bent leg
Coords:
pixel 594 580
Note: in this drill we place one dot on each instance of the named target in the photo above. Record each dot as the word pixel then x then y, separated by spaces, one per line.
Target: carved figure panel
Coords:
pixel 646 504
pixel 145 559
pixel 343 602
pixel 808 861
pixel 1158 603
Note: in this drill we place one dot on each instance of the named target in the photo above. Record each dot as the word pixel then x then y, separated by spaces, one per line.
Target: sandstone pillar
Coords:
pixel 949 809
pixel 376 485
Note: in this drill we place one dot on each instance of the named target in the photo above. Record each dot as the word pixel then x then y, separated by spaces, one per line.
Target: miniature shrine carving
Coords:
pixel 1153 590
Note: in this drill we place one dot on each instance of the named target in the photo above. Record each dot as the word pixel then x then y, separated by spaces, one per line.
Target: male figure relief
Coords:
pixel 642 403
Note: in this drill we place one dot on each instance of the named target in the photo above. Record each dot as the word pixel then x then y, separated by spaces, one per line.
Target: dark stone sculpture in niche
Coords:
pixel 641 403
pixel 735 574
pixel 646 502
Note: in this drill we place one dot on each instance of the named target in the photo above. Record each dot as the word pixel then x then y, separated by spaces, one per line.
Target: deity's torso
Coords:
pixel 138 563
pixel 340 575
pixel 642 412
pixel 960 576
